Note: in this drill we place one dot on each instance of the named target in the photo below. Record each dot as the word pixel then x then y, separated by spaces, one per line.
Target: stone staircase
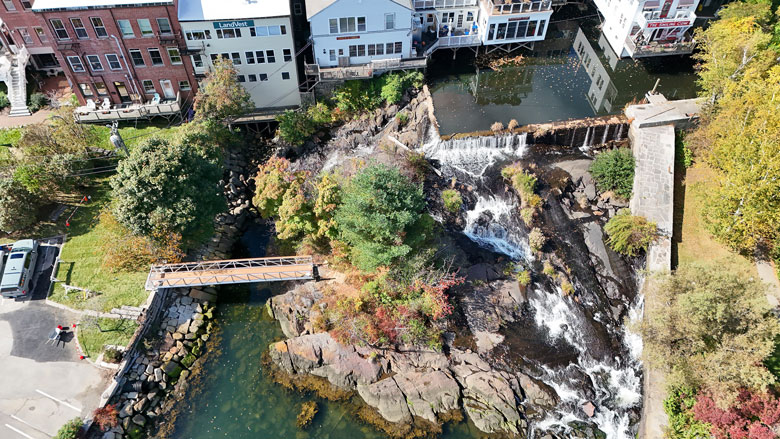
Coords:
pixel 128 312
pixel 17 91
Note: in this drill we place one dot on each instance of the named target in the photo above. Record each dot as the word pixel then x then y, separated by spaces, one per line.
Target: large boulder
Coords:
pixel 386 397
pixel 537 392
pixel 429 394
pixel 491 403
pixel 293 309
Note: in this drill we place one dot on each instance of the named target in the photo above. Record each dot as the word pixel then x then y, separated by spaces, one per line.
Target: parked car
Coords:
pixel 4 250
pixel 19 268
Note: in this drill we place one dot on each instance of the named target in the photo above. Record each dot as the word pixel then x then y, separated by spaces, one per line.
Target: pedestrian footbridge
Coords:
pixel 232 271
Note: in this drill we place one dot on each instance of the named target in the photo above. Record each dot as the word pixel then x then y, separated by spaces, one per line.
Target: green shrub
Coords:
pixel 536 239
pixel 527 214
pixel 403 118
pixel 17 206
pixel 523 182
pixel 683 154
pixel 523 277
pixel 418 163
pixel 682 423
pixel 452 200
pixel 320 114
pixel 70 430
pixel 4 101
pixel 382 217
pixel 628 234
pixel 363 95
pixel 567 288
pixel 37 101
pixel 548 269
pixel 396 83
pixel 112 355
pixel 295 126
pixel 614 171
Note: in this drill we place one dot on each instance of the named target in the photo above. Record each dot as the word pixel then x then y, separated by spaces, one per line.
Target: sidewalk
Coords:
pixel 766 272
pixel 7 121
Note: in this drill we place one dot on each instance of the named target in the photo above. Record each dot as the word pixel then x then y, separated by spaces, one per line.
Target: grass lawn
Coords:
pixel 694 243
pixel 96 333
pixel 82 262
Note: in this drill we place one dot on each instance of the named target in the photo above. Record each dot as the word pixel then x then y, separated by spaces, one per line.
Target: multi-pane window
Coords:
pixel 9 5
pixel 26 4
pixel 399 47
pixel 332 55
pixel 236 57
pixel 113 61
pixel 285 75
pixel 25 35
pixel 228 33
pixel 196 35
pixel 241 78
pixel 100 28
pixel 101 88
pixel 174 55
pixel 298 9
pixel 137 57
pixel 75 64
pixel 252 78
pixel 263 77
pixel 197 61
pixel 287 55
pixel 86 90
pixel 59 29
pixel 250 57
pixel 78 27
pixel 389 21
pixel 94 63
pixel 265 31
pixel 165 26
pixel 347 25
pixel 184 85
pixel 41 34
pixel 148 85
pixel 145 26
pixel 156 57
pixel 126 28
pixel 269 55
pixel 260 57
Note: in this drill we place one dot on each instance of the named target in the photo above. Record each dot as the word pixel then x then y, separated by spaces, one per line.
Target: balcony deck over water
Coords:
pixel 512 7
pixel 133 111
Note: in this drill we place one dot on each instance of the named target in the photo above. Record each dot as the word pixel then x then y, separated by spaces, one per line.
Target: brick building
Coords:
pixel 129 51
pixel 25 42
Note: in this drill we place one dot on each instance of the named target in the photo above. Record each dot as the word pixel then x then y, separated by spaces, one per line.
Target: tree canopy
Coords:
pixel 167 187
pixel 17 206
pixel 381 217
pixel 222 97
pixel 713 333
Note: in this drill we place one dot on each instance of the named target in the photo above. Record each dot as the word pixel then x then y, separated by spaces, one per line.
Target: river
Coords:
pixel 570 75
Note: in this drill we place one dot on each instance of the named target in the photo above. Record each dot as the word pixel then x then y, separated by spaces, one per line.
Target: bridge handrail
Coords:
pixel 232 263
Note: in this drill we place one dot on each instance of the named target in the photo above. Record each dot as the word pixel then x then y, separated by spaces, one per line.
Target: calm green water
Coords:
pixel 571 75
pixel 237 400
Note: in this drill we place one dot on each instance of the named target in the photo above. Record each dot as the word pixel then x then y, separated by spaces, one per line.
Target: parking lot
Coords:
pixel 42 385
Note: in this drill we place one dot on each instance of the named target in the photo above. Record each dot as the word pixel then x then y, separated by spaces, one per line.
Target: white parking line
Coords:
pixel 20 432
pixel 58 400
pixel 27 423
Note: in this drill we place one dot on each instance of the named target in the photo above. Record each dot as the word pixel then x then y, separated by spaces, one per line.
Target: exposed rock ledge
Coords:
pixel 405 387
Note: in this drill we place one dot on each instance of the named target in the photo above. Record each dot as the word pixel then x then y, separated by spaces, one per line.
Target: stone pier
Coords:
pixel 652 134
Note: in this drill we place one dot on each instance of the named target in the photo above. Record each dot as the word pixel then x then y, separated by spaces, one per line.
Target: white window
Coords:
pixel 197 35
pixel 252 78
pixel 126 28
pixel 156 57
pixel 59 29
pixel 137 57
pixel 86 90
pixel 334 25
pixel 285 75
pixel 389 21
pixel 75 64
pixel 260 55
pixel 100 28
pixel 269 55
pixel 241 78
pixel 236 57
pixel 94 63
pixel 197 61
pixel 145 26
pixel 250 57
pixel 9 5
pixel 228 33
pixel 470 16
pixel 148 85
pixel 78 27
pixel 332 55
pixel 174 55
pixel 41 34
pixel 263 77
pixel 165 26
pixel 113 61
pixel 25 35
pixel 287 55
pixel 184 85
pixel 275 30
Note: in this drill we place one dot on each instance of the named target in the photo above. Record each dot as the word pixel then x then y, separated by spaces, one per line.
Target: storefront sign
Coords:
pixel 233 24
pixel 655 24
pixel 353 37
pixel 519 18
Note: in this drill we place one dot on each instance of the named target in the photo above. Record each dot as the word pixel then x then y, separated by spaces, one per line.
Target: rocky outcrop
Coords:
pixel 405 386
pixel 295 310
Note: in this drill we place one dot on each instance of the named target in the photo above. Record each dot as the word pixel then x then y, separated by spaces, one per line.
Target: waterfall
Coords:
pixel 617 386
pixel 605 134
pixel 473 155
pixel 585 143
pixel 485 226
pixel 619 135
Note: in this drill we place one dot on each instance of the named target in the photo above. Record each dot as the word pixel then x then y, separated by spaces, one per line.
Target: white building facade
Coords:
pixel 255 36
pixel 358 32
pixel 513 22
pixel 648 27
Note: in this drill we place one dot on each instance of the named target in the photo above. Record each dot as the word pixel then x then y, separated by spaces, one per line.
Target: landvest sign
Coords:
pixel 233 24
pixel 655 24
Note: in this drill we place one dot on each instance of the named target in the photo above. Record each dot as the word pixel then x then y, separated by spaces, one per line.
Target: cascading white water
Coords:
pixel 491 233
pixel 473 155
pixel 605 134
pixel 619 134
pixel 586 143
pixel 617 387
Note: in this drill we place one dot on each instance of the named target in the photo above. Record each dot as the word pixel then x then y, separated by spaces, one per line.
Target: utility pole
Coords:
pixel 116 138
